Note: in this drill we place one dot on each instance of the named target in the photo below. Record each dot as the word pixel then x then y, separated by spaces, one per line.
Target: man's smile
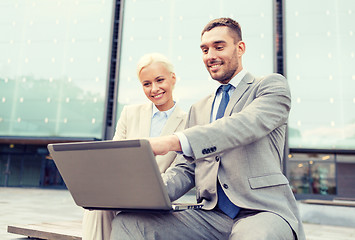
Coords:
pixel 215 66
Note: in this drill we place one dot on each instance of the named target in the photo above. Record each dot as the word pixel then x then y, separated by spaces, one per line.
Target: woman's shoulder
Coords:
pixel 137 107
pixel 180 111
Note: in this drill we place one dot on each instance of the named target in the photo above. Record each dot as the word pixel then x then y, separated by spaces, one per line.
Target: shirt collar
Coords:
pixel 236 79
pixel 168 112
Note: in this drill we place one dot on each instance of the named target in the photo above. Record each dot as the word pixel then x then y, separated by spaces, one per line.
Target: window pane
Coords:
pixel 3 169
pixel 312 173
pixel 320 68
pixel 53 64
pixel 173 28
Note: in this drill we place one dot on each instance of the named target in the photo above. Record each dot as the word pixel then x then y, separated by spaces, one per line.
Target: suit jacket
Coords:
pixel 243 151
pixel 134 123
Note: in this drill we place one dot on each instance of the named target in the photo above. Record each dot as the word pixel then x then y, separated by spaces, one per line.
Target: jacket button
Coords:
pixel 225 186
pixel 217 158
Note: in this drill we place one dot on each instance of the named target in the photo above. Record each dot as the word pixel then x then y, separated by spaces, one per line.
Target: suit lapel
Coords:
pixel 238 93
pixel 173 122
pixel 145 120
pixel 207 109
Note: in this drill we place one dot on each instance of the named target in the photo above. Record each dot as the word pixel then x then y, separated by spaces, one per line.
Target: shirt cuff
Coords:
pixel 185 145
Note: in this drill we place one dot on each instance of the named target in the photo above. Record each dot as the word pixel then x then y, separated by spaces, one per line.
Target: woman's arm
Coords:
pixel 121 126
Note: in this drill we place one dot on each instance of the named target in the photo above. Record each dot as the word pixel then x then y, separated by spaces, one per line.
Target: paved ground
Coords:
pixel 25 206
pixel 29 206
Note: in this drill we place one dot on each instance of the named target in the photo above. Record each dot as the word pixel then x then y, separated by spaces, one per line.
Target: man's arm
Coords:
pixel 180 177
pixel 265 113
pixel 262 111
pixel 165 144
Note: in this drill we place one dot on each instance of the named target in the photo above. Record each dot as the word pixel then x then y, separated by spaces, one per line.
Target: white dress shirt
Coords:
pixel 159 119
pixel 184 142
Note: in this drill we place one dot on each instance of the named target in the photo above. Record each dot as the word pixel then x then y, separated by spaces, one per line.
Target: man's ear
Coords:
pixel 241 48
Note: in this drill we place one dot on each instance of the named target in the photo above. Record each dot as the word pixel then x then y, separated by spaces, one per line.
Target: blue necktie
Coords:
pixel 224 101
pixel 223 202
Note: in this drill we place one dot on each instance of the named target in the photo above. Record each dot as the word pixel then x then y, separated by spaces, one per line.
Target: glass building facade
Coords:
pixel 56 59
pixel 53 63
pixel 174 29
pixel 320 68
pixel 53 71
pixel 320 59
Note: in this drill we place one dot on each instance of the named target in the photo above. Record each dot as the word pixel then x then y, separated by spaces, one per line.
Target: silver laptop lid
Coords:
pixel 111 174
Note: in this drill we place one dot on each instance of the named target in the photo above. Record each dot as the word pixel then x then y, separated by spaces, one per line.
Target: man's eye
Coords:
pixel 205 51
pixel 160 79
pixel 219 48
pixel 146 84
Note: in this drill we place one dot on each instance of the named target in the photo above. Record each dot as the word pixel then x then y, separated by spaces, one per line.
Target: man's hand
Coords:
pixel 165 144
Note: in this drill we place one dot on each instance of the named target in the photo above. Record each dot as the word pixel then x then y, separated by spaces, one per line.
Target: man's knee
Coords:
pixel 122 220
pixel 262 226
pixel 121 226
pixel 260 234
pixel 118 220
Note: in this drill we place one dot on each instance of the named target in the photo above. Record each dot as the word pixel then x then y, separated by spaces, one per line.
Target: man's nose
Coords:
pixel 211 55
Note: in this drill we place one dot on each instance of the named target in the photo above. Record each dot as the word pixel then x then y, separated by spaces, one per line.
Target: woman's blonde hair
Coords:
pixel 150 58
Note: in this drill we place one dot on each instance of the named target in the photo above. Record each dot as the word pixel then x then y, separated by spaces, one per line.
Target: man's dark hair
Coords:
pixel 232 25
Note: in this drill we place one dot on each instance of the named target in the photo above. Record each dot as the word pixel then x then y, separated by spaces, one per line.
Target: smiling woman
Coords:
pixel 158 118
pixel 156 74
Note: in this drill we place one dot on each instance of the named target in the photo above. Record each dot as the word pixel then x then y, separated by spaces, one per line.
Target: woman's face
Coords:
pixel 158 84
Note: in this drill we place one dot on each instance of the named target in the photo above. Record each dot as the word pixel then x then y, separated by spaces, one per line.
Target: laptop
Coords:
pixel 114 175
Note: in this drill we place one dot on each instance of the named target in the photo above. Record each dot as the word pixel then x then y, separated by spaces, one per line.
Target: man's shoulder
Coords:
pixel 203 101
pixel 271 80
pixel 274 77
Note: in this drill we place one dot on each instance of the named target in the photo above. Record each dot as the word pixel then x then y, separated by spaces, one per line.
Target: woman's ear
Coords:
pixel 173 76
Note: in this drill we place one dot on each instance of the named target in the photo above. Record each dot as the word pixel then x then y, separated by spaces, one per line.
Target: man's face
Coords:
pixel 221 55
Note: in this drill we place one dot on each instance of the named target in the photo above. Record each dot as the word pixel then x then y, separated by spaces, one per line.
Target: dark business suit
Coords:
pixel 244 152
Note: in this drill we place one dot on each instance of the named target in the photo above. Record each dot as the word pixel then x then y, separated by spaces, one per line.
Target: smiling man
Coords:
pixel 232 153
pixel 222 55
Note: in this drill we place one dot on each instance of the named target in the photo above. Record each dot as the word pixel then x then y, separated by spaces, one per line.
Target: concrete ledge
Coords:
pixel 57 230
pixel 72 231
pixel 335 202
pixel 327 213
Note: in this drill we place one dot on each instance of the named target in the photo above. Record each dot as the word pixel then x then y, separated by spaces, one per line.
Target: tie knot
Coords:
pixel 225 88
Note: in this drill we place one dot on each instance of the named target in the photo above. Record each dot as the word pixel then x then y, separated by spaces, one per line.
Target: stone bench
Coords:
pixel 70 230
pixel 335 202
